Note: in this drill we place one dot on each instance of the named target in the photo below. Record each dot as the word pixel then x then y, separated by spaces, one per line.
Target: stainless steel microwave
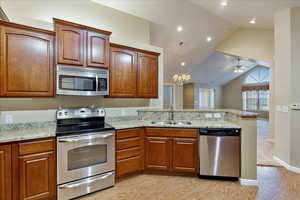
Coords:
pixel 81 81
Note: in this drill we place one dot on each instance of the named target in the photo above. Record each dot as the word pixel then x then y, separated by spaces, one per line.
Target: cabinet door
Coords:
pixel 123 69
pixel 37 177
pixel 71 48
pixel 184 155
pixel 5 172
pixel 147 76
pixel 97 50
pixel 157 153
pixel 26 63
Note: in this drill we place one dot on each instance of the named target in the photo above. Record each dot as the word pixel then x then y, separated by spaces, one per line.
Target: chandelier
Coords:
pixel 180 78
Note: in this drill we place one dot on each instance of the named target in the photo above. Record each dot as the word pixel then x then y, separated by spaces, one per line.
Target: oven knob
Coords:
pixel 60 114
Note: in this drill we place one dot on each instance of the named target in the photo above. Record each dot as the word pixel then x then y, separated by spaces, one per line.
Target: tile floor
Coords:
pixel 265 144
pixel 275 183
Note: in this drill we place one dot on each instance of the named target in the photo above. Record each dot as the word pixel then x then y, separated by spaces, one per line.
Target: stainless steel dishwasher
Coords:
pixel 220 152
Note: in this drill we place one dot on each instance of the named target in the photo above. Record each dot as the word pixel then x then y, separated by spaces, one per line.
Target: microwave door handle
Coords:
pixel 97 83
pixel 86 182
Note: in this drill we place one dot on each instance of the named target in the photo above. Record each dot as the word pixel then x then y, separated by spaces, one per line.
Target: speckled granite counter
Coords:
pixel 27 131
pixel 195 124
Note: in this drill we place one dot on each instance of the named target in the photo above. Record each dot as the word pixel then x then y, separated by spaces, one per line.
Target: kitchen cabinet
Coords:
pixel 147 79
pixel 184 155
pixel 71 47
pixel 81 45
pixel 171 149
pixel 123 69
pixel 129 151
pixel 27 61
pixel 157 153
pixel 5 172
pixel 133 73
pixel 34 170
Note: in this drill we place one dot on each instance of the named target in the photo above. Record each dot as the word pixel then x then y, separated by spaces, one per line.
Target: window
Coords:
pixel 256 91
pixel 168 96
pixel 206 98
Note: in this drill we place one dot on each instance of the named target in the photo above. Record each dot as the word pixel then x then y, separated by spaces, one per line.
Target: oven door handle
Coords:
pixel 91 180
pixel 104 136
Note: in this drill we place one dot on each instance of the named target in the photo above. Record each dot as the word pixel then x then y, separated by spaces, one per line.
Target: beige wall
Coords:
pixel 257 44
pixel 40 13
pixel 188 96
pixel 127 30
pixel 232 91
pixel 219 97
pixel 286 74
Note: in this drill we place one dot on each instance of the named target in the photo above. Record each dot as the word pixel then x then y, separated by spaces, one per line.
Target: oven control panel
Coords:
pixel 80 113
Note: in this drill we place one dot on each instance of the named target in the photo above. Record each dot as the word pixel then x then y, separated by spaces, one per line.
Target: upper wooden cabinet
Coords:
pixel 70 45
pixel 133 72
pixel 123 68
pixel 81 45
pixel 27 61
pixel 147 79
pixel 5 173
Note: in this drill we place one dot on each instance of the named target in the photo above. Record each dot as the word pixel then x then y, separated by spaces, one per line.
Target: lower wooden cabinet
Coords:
pixel 130 151
pixel 177 151
pixel 184 155
pixel 28 170
pixel 5 172
pixel 157 153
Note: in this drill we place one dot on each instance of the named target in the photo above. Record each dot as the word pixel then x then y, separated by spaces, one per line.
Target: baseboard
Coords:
pixel 248 182
pixel 286 165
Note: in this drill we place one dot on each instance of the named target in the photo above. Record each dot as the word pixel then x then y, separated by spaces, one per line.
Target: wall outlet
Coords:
pixel 217 115
pixel 295 106
pixel 208 115
pixel 8 119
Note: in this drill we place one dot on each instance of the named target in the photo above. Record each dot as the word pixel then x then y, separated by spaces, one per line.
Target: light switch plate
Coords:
pixel 8 119
pixel 217 115
pixel 295 106
pixel 208 115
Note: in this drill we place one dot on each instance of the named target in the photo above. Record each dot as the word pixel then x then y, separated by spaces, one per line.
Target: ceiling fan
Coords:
pixel 239 68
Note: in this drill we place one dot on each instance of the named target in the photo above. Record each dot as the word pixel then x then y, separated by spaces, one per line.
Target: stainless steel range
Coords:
pixel 85 152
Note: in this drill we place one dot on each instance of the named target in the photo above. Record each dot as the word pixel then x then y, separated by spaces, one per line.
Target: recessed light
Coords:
pixel 208 39
pixel 182 64
pixel 224 3
pixel 253 21
pixel 179 28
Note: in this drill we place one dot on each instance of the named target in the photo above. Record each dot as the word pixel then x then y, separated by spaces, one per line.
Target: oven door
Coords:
pixel 85 155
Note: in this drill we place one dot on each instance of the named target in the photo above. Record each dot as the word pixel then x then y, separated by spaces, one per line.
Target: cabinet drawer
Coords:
pixel 128 133
pixel 129 165
pixel 172 132
pixel 36 146
pixel 128 143
pixel 128 153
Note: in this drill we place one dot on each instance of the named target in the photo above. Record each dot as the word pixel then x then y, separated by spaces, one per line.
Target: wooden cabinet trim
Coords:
pixel 172 132
pixel 24 27
pixel 60 21
pixel 134 49
pixel 128 143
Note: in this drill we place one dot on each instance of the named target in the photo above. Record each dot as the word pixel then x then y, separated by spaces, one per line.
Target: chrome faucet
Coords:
pixel 171 113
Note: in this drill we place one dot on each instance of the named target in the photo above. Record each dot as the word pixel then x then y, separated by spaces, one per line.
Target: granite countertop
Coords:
pixel 195 124
pixel 35 130
pixel 243 114
pixel 26 131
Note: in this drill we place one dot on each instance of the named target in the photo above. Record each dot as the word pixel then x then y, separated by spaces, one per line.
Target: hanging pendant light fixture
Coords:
pixel 239 68
pixel 180 78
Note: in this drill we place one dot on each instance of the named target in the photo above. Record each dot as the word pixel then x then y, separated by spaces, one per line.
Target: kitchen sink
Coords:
pixel 171 122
